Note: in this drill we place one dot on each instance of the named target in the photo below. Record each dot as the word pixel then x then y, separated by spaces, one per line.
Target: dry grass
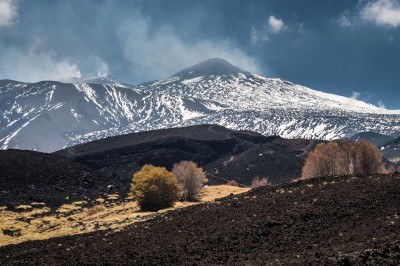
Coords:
pixel 23 208
pixel 80 203
pixel 215 192
pixel 100 200
pixel 95 209
pixel 113 197
pixel 38 222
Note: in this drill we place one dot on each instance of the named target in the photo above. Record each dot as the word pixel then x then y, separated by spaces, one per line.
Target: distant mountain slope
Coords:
pixel 391 150
pixel 323 221
pixel 49 116
pixel 375 138
pixel 104 79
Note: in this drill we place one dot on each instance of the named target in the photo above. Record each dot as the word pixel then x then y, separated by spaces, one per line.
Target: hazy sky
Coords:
pixel 347 47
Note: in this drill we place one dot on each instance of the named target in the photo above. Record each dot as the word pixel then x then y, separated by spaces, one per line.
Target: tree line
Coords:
pixel 343 158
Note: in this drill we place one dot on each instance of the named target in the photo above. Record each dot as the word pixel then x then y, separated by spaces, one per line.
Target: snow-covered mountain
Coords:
pixel 100 78
pixel 48 116
pixel 105 79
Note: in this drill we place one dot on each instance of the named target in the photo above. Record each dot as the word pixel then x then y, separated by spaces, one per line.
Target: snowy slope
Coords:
pixel 48 116
pixel 104 79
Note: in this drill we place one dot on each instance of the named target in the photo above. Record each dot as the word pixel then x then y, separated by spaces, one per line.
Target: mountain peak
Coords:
pixel 213 66
pixel 105 79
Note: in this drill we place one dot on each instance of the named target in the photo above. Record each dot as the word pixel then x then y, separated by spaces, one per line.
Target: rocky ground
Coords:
pixel 28 176
pixel 336 220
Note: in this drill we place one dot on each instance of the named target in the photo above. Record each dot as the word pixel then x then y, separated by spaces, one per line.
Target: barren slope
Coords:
pixel 225 154
pixel 338 220
pixel 28 176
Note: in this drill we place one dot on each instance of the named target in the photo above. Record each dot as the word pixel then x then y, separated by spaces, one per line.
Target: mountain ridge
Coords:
pixel 210 67
pixel 49 116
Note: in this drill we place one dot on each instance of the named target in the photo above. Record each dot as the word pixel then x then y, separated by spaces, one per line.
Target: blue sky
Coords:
pixel 346 47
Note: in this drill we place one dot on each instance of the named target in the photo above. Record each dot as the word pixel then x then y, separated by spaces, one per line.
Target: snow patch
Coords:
pixel 193 80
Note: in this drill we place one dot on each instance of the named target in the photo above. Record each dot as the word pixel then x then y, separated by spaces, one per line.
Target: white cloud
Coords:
pixel 355 95
pixel 273 26
pixel 381 104
pixel 160 52
pixel 257 36
pixel 276 25
pixel 382 12
pixel 102 67
pixel 35 65
pixel 345 19
pixel 8 12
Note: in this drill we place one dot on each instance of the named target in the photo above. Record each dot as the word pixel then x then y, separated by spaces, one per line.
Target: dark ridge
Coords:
pixel 27 176
pixel 105 80
pixel 375 138
pixel 394 142
pixel 2 81
pixel 197 132
pixel 225 154
pixel 391 150
pixel 88 169
pixel 214 66
pixel 6 81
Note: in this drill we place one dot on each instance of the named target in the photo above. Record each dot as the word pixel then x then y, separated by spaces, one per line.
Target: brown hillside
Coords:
pixel 337 220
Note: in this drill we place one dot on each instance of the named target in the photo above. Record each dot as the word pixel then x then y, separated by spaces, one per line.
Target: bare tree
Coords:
pixel 369 158
pixel 259 182
pixel 232 183
pixel 325 160
pixel 348 157
pixel 191 179
pixel 343 158
pixel 391 169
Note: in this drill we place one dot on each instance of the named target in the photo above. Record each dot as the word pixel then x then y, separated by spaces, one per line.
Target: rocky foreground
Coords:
pixel 337 220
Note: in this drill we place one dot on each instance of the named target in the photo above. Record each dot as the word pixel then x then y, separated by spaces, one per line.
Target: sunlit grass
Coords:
pixel 37 222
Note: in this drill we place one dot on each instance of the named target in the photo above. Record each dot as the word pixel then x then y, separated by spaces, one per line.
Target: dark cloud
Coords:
pixel 341 46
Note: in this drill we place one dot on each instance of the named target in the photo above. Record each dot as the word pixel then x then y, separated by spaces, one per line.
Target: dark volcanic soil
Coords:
pixel 27 176
pixel 87 170
pixel 338 220
pixel 225 154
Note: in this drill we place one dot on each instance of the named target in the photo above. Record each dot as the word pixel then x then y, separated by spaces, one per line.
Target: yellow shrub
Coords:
pixel 155 188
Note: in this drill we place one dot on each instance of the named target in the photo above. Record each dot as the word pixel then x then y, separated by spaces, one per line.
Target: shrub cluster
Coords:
pixel 259 182
pixel 232 183
pixel 343 158
pixel 156 188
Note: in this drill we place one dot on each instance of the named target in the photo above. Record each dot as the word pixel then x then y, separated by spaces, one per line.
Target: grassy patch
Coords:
pixel 40 223
pixel 113 197
pixel 38 204
pixel 100 200
pixel 23 208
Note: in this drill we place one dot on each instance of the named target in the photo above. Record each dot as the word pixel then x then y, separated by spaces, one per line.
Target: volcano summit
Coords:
pixel 48 115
